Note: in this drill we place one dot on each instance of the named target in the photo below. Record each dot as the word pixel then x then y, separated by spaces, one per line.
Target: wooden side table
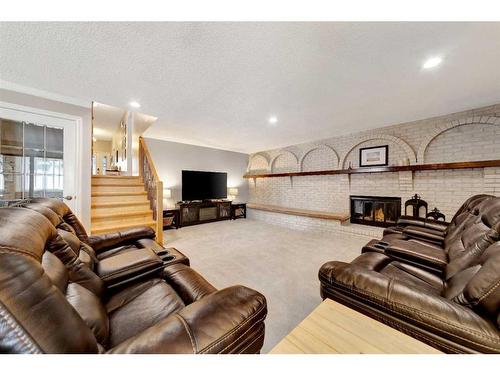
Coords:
pixel 171 218
pixel 238 210
pixel 334 328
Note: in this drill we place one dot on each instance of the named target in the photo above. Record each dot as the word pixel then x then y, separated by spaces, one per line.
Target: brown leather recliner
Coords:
pixel 51 302
pixel 426 246
pixel 104 245
pixel 457 309
pixel 134 255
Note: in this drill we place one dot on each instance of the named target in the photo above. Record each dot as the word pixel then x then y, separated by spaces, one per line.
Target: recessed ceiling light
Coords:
pixel 432 62
pixel 273 120
pixel 135 104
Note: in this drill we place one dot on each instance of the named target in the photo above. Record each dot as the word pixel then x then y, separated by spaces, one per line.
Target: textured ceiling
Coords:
pixel 216 84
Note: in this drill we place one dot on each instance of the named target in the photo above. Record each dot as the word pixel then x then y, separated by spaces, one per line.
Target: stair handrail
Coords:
pixel 153 186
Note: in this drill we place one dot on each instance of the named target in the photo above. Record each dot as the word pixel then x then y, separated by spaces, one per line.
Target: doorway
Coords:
pixel 39 155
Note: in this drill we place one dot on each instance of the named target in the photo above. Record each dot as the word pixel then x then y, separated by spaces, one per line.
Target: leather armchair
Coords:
pixel 51 302
pixel 104 245
pixel 121 257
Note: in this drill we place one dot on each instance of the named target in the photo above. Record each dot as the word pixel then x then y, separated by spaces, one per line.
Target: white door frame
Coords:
pixel 72 123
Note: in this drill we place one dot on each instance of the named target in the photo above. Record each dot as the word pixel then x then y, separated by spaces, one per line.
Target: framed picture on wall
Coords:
pixel 374 156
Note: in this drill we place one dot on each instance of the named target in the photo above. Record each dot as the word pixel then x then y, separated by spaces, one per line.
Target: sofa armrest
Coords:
pixel 129 266
pixel 230 320
pixel 419 254
pixel 404 221
pixel 410 220
pixel 425 234
pixel 108 241
pixel 432 318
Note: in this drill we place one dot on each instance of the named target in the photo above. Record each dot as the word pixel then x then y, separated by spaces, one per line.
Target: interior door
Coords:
pixel 38 156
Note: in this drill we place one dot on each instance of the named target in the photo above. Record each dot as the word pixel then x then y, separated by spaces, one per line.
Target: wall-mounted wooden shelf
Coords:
pixel 417 167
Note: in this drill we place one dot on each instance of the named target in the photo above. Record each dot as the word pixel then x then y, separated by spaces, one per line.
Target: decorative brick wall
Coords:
pixel 465 136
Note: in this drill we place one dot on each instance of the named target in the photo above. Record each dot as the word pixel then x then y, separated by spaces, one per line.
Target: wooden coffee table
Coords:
pixel 335 328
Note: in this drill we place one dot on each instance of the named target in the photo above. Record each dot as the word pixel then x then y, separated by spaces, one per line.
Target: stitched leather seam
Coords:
pixel 14 250
pixel 239 326
pixel 242 334
pixel 235 329
pixel 250 343
pixel 22 336
pixel 401 327
pixel 194 344
pixel 377 300
pixel 489 291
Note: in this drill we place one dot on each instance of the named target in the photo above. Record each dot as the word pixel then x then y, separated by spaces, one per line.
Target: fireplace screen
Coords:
pixel 377 211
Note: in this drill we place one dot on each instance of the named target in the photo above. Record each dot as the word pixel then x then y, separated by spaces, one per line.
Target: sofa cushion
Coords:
pixel 91 310
pixel 473 254
pixel 483 290
pixel 77 271
pixel 152 301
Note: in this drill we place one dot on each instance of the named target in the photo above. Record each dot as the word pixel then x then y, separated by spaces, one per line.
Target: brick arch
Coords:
pixel 480 120
pixel 261 155
pixel 406 147
pixel 318 147
pixel 280 153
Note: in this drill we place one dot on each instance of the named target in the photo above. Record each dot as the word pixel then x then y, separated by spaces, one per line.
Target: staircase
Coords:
pixel 119 202
pixel 122 202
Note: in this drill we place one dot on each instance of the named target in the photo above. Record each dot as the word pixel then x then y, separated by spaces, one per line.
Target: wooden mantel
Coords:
pixel 417 167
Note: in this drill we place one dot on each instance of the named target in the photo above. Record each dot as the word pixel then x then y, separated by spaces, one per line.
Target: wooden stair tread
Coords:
pixel 118 177
pixel 118 204
pixel 116 226
pixel 118 183
pixel 113 194
pixel 341 216
pixel 123 215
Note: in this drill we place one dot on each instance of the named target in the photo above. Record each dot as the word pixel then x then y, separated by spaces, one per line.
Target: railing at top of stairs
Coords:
pixel 154 187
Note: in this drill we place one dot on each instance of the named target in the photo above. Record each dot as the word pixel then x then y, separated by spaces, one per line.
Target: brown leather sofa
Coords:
pixel 432 245
pixel 52 302
pixel 445 295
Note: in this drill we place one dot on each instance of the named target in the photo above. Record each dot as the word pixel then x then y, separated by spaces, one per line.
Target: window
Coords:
pixel 31 161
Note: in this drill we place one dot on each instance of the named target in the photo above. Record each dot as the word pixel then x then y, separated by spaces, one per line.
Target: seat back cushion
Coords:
pixel 78 271
pixel 62 209
pixel 472 226
pixel 480 283
pixel 35 316
pixel 83 251
pixel 91 310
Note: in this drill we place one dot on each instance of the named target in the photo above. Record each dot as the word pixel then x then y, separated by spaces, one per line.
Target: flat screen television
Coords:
pixel 197 185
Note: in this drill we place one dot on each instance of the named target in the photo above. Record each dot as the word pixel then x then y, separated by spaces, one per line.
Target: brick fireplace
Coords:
pixel 374 210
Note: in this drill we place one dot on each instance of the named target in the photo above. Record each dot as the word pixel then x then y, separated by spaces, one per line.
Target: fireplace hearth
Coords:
pixel 375 211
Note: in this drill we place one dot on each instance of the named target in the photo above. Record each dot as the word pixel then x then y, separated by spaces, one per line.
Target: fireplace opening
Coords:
pixel 376 211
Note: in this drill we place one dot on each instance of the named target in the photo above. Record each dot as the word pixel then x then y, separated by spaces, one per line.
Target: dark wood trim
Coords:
pixel 417 167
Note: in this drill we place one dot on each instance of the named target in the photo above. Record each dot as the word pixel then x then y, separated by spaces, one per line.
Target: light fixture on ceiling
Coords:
pixel 432 62
pixel 134 104
pixel 273 120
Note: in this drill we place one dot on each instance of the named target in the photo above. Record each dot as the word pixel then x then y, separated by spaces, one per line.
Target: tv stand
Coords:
pixel 199 212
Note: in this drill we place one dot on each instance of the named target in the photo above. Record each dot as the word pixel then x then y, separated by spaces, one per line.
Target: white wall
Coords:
pixel 171 158
pixel 85 150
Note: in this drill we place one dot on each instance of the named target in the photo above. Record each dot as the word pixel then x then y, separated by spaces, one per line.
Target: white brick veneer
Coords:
pixel 465 136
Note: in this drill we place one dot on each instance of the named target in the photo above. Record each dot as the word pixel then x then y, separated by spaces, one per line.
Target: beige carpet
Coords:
pixel 280 263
